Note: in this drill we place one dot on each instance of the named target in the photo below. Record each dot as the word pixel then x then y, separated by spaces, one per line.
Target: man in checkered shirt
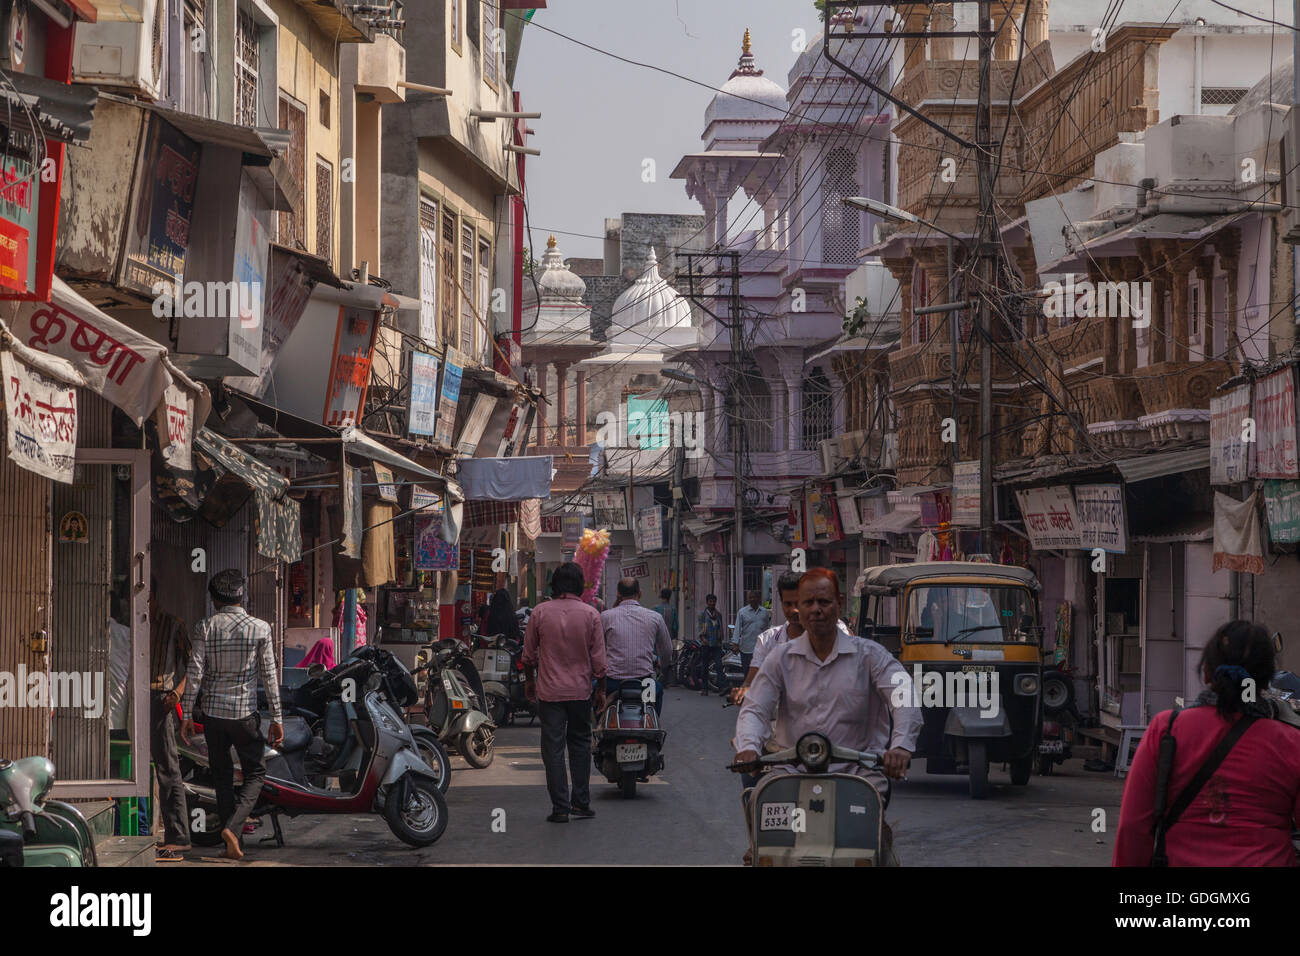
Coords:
pixel 229 649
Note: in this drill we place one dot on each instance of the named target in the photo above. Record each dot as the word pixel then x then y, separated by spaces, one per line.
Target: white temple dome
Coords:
pixel 648 304
pixel 554 278
pixel 736 99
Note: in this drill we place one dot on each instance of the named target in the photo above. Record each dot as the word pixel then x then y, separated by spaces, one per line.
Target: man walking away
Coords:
pixel 230 648
pixel 564 650
pixel 169 657
pixel 633 635
pixel 751 621
pixel 709 628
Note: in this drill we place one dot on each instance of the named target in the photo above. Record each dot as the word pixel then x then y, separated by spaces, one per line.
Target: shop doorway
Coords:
pixel 99 633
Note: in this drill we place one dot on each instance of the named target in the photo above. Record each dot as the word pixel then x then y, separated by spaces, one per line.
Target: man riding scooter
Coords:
pixel 834 684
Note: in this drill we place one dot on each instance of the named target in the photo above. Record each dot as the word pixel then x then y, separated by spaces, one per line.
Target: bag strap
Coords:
pixel 1212 763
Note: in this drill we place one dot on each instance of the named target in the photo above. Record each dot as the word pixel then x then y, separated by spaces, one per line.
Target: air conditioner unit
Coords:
pixel 829 449
pixel 124 49
pixel 854 444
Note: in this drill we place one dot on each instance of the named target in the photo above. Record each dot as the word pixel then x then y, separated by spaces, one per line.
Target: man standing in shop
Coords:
pixel 169 657
pixel 230 648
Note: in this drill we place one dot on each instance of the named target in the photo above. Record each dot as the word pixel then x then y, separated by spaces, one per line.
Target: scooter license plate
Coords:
pixel 776 816
pixel 630 753
pixel 1051 747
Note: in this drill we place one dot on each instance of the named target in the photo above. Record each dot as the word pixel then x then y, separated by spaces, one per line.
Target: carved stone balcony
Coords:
pixel 1176 398
pixel 1115 411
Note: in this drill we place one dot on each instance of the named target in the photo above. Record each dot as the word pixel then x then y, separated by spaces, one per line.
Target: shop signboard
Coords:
pixel 1229 463
pixel 1102 522
pixel 650 529
pixel 20 185
pixel 966 494
pixel 158 234
pixel 611 509
pixel 349 378
pixel 1275 452
pixel 1051 521
pixel 449 397
pixel 1282 504
pixel 422 406
pixel 41 420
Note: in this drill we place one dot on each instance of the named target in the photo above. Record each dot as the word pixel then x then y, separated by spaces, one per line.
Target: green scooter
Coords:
pixel 34 830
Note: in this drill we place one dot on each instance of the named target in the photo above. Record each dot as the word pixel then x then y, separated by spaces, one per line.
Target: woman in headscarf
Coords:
pixel 501 617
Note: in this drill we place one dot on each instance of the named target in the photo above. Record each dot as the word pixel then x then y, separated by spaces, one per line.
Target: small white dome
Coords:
pixel 554 279
pixel 648 304
pixel 736 100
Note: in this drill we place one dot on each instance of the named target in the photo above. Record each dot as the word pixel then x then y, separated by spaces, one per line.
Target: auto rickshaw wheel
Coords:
pixel 1045 766
pixel 1021 771
pixel 979 769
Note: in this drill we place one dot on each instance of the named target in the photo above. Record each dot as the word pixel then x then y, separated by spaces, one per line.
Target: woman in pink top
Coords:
pixel 1244 813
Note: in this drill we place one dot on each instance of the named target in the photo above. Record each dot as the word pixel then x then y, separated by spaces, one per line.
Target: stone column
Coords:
pixel 1036 28
pixel 1110 324
pixel 1180 267
pixel 901 270
pixel 581 389
pixel 914 50
pixel 941 21
pixel 1007 44
pixel 542 405
pixel 1228 245
pixel 780 434
pixel 562 404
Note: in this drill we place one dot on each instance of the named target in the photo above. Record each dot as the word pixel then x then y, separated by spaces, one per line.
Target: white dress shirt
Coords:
pixel 848 697
pixel 777 635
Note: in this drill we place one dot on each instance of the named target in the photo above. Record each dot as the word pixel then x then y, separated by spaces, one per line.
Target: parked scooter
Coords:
pixel 813 817
pixel 455 701
pixel 500 665
pixel 628 741
pixel 380 769
pixel 35 830
pixel 1061 719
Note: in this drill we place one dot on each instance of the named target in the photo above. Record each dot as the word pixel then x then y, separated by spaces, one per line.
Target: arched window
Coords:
pixel 818 410
pixel 755 411
pixel 841 224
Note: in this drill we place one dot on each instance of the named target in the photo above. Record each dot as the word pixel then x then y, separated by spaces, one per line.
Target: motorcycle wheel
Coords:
pixel 627 783
pixel 686 670
pixel 434 754
pixel 979 770
pixel 498 709
pixel 421 820
pixel 477 747
pixel 1021 771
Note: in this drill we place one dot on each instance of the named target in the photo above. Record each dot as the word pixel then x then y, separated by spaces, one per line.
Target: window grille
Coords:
pixel 841 224
pixel 485 285
pixel 324 209
pixel 247 59
pixel 468 323
pixel 429 272
pixel 755 410
pixel 491 53
pixel 449 292
pixel 293 117
pixel 818 410
pixel 1222 95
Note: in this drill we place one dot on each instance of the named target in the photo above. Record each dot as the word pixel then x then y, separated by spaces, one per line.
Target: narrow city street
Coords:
pixel 690 814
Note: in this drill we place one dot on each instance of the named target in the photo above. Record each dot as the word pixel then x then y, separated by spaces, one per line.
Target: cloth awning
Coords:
pixel 63 111
pixel 277 520
pixel 359 443
pixel 505 479
pixel 1145 467
pixel 127 368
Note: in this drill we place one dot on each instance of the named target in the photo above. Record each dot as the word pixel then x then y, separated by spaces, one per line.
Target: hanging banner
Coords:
pixel 1275 451
pixel 650 529
pixel 290 290
pixel 422 407
pixel 450 396
pixel 41 414
pixel 966 494
pixel 158 238
pixel 1102 521
pixel 573 526
pixel 824 512
pixel 1229 463
pixel 175 421
pixel 1050 518
pixel 432 553
pixel 350 544
pixel 1282 505
pixel 610 508
pixel 936 508
pixel 354 339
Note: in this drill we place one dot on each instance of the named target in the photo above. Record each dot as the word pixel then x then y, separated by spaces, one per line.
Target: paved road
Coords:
pixel 690 813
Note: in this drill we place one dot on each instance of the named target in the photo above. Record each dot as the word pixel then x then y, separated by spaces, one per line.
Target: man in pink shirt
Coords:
pixel 564 651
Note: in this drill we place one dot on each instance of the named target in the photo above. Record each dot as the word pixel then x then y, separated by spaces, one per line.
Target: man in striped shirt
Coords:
pixel 229 649
pixel 633 635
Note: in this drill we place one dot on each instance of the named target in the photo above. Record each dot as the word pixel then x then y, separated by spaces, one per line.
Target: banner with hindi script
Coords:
pixel 41 420
pixel 1102 522
pixel 122 365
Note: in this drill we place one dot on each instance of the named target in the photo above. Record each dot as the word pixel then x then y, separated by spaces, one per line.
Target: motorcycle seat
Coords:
pixel 297 735
pixel 630 693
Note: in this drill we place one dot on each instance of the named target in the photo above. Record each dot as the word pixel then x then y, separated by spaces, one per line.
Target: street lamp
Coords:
pixel 885 211
pixel 679 376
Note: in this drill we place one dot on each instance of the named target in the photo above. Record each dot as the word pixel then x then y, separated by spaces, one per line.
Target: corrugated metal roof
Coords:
pixel 1145 467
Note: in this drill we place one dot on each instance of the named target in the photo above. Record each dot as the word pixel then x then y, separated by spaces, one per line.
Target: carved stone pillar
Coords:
pixel 542 405
pixel 1179 267
pixel 1036 28
pixel 1110 323
pixel 941 21
pixel 1007 43
pixel 1228 245
pixel 1131 272
pixel 901 270
pixel 581 388
pixel 561 404
pixel 914 50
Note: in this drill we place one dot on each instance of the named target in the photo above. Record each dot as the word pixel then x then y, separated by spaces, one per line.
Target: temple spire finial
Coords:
pixel 745 47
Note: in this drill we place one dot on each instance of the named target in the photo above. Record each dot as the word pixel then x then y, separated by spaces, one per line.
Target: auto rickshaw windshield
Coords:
pixel 974 613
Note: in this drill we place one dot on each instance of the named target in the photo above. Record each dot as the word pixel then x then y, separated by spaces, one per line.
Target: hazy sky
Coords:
pixel 602 118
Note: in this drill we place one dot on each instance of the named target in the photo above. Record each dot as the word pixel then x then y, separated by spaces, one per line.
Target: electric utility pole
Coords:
pixel 987 266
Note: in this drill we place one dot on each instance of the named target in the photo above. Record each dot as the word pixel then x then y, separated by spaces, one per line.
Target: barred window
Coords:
pixel 818 410
pixel 468 322
pixel 473 16
pixel 247 58
pixel 1222 95
pixel 194 98
pixel 841 224
pixel 324 209
pixel 429 272
pixel 755 410
pixel 491 51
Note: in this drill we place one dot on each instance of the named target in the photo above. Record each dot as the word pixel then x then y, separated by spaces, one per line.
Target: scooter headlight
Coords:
pixel 814 751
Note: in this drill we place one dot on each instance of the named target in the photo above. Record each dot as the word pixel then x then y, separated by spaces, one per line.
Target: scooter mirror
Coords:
pixel 315 670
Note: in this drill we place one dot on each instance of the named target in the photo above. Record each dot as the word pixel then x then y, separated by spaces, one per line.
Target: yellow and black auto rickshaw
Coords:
pixel 970 637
